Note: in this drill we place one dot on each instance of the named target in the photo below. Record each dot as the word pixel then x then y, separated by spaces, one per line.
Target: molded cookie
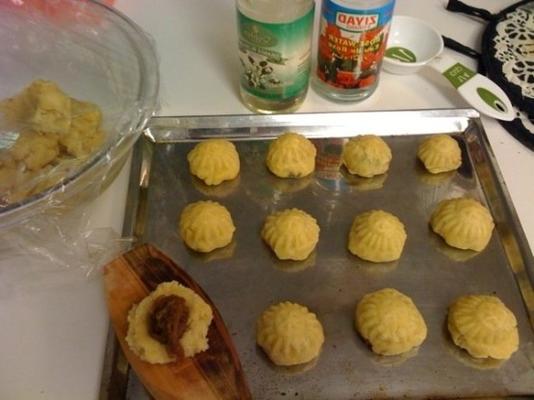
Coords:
pixel 289 333
pixel 291 155
pixel 483 326
pixel 463 223
pixel 214 161
pixel 390 322
pixel 366 156
pixel 292 234
pixel 440 153
pixel 377 236
pixel 206 225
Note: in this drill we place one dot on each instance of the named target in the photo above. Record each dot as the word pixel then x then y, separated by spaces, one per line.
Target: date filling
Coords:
pixel 168 322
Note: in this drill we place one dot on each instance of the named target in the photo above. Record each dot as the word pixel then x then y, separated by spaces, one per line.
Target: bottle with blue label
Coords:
pixel 352 41
pixel 274 52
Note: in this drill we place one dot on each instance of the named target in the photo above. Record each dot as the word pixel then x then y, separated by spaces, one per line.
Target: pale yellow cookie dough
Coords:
pixel 42 106
pixel 289 333
pixel 193 341
pixel 377 236
pixel 366 156
pixel 440 153
pixel 214 161
pixel 85 135
pixel 483 326
pixel 292 234
pixel 463 223
pixel 35 149
pixel 206 225
pixel 390 322
pixel 291 155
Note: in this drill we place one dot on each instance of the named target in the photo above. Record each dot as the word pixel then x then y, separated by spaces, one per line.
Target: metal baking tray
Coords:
pixel 244 278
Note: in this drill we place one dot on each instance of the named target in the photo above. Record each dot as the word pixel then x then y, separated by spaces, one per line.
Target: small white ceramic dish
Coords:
pixel 412 43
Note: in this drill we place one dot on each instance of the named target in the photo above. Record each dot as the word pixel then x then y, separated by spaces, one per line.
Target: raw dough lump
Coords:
pixel 390 322
pixel 366 156
pixel 52 133
pixel 463 223
pixel 289 333
pixel 193 341
pixel 377 236
pixel 483 326
pixel 291 155
pixel 440 153
pixel 206 225
pixel 292 234
pixel 214 161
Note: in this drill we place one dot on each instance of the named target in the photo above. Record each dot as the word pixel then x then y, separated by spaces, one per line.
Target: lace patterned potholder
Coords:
pixel 508 56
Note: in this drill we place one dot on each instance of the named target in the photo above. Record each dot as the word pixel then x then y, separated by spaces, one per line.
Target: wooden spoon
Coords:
pixel 214 374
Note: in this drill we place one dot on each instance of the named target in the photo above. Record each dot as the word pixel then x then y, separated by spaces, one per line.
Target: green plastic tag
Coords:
pixel 458 74
pixel 401 54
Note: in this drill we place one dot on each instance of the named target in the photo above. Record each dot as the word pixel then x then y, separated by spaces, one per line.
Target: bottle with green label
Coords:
pixel 275 53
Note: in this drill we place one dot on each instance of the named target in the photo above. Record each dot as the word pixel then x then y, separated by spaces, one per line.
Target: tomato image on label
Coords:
pixel 351 45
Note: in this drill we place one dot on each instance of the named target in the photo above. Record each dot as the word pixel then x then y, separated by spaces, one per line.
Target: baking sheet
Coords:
pixel 244 278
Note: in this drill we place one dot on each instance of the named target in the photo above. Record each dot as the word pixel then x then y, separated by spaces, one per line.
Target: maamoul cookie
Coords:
pixel 292 234
pixel 214 161
pixel 289 333
pixel 291 155
pixel 463 223
pixel 206 225
pixel 366 156
pixel 377 236
pixel 390 322
pixel 440 153
pixel 483 326
pixel 146 343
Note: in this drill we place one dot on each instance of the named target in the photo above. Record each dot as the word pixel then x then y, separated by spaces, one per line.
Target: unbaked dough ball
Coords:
pixel 390 322
pixel 194 339
pixel 214 161
pixel 377 236
pixel 289 333
pixel 291 155
pixel 292 234
pixel 206 225
pixel 463 223
pixel 483 326
pixel 440 153
pixel 366 156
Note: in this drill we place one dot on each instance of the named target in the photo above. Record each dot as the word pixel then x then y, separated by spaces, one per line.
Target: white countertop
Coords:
pixel 53 337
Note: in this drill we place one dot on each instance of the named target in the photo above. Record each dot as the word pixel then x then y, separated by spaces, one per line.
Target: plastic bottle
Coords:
pixel 275 53
pixel 352 42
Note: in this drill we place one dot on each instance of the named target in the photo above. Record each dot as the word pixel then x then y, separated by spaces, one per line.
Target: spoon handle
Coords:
pixel 479 91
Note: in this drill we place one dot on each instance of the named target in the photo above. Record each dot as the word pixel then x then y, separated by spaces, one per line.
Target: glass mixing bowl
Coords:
pixel 95 54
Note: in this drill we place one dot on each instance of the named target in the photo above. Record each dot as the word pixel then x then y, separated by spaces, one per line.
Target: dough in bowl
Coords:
pixel 292 234
pixel 390 322
pixel 366 156
pixel 194 338
pixel 377 236
pixel 463 223
pixel 206 225
pixel 214 161
pixel 291 155
pixel 289 334
pixel 440 153
pixel 483 326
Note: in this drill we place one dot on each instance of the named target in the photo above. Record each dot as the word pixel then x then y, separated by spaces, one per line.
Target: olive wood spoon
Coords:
pixel 214 374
